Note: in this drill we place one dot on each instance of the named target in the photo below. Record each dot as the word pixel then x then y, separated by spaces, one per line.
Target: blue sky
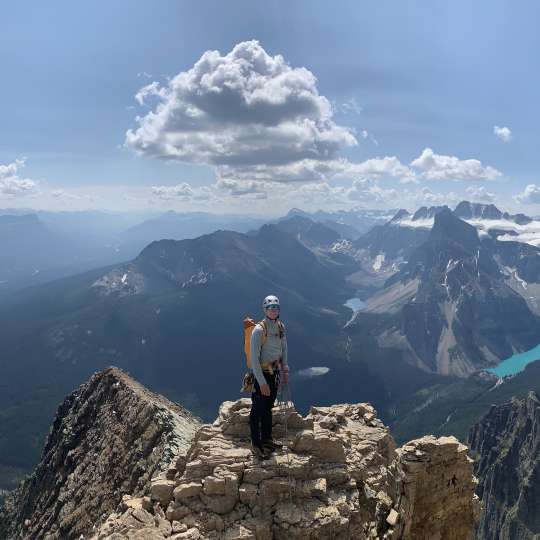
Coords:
pixel 422 82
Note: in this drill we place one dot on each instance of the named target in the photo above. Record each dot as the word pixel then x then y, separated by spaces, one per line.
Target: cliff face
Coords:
pixel 109 438
pixel 507 444
pixel 339 478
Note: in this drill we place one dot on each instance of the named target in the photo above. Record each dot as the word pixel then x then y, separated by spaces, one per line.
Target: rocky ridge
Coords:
pixel 339 477
pixel 507 444
pixel 109 438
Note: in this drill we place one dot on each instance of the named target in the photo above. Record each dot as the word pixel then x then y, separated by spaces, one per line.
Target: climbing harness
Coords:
pixel 286 406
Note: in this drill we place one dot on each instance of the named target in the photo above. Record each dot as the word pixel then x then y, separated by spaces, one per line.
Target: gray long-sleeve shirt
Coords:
pixel 274 347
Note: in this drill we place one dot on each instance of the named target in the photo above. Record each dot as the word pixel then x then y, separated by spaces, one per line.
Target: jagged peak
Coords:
pixel 447 226
pixel 400 214
pixel 425 212
pixel 469 210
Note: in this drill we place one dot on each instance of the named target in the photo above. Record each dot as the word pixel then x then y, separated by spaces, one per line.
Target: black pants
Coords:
pixel 260 417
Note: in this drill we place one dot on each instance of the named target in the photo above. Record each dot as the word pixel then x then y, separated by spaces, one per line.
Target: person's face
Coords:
pixel 272 312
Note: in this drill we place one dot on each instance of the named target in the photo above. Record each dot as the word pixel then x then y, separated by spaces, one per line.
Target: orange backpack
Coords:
pixel 249 325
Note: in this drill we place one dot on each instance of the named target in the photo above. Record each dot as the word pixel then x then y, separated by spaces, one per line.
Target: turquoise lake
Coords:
pixel 516 363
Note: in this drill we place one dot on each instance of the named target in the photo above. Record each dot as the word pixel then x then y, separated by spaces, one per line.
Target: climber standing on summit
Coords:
pixel 268 348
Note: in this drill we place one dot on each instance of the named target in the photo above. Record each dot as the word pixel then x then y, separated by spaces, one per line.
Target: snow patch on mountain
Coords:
pixel 121 281
pixel 510 231
pixel 527 233
pixel 343 246
pixel 199 278
pixel 529 291
pixel 426 223
pixel 379 260
pixel 452 264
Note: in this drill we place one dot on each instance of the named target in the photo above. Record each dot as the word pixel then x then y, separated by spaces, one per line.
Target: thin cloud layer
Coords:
pixel 480 194
pixel 245 111
pixel 368 190
pixel 319 171
pixel 182 192
pixel 239 188
pixel 431 198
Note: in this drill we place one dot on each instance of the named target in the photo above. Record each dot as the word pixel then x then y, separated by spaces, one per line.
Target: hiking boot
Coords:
pixel 259 452
pixel 272 445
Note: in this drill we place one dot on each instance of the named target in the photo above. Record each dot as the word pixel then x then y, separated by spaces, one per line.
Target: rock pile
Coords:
pixel 338 477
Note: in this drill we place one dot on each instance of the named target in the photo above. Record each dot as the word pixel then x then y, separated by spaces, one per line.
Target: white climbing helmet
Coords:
pixel 270 300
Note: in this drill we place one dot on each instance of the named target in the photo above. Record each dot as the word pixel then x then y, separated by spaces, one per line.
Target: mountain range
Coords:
pixel 39 246
pixel 441 303
pixel 454 307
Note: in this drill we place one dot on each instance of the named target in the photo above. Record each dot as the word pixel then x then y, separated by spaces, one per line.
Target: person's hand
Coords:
pixel 285 377
pixel 265 390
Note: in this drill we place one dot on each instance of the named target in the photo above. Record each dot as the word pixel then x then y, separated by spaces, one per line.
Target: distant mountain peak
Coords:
pixel 425 212
pixel 297 218
pixel 471 210
pixel 448 226
pixel 296 212
pixel 400 214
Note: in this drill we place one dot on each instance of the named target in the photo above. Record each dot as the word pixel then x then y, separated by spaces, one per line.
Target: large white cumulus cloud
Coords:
pixel 263 127
pixel 245 111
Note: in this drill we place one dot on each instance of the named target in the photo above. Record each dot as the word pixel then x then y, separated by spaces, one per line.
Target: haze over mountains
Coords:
pixel 149 317
pixel 41 246
pixel 442 302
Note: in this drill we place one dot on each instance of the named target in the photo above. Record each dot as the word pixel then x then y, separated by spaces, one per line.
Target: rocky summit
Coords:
pixel 339 476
